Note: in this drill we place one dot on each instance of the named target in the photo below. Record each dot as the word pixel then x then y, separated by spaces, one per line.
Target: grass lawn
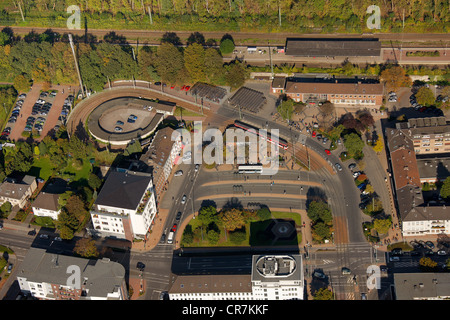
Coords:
pixel 42 168
pixel 78 174
pixel 186 113
pixel 257 232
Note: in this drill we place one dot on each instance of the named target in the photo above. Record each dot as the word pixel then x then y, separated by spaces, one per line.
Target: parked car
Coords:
pixel 352 166
pixel 118 129
pixel 442 253
pixel 119 123
pixel 10 266
pixel 178 173
pixel 327 152
pixel 178 217
pixel 174 228
pixel 338 166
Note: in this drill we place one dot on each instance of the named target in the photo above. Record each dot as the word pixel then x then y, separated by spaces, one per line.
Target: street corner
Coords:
pixel 136 288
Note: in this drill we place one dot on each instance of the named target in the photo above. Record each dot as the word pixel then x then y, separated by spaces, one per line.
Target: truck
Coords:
pixel 170 237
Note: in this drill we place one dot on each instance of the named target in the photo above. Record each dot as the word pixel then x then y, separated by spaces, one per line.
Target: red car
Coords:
pixel 174 228
pixel 172 87
pixel 313 134
pixel 187 88
pixel 183 87
pixel 327 152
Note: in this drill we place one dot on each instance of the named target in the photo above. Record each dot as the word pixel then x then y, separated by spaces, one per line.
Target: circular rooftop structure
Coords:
pixel 119 121
pixel 276 266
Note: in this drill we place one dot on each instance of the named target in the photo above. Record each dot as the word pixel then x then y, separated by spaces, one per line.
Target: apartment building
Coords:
pixel 417 216
pixel 51 276
pixel 161 156
pixel 17 192
pixel 429 135
pixel 273 277
pixel 125 207
pixel 339 92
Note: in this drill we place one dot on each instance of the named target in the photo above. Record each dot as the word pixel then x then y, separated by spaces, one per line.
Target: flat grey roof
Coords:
pixel 409 286
pixel 103 276
pixel 330 47
pixel 267 268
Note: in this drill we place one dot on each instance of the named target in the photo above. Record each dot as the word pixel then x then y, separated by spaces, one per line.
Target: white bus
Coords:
pixel 250 168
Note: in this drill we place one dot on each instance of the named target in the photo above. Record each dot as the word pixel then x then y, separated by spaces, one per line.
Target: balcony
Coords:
pixel 143 204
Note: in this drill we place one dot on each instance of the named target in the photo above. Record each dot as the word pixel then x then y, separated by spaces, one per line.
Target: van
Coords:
pixel 170 238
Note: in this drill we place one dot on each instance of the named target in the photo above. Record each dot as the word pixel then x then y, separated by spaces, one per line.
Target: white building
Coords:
pixel 45 276
pixel 46 205
pixel 125 207
pixel 273 277
pixel 278 277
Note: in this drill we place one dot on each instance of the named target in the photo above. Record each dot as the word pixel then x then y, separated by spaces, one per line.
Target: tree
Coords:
pixel 382 225
pixel 238 236
pixel 323 294
pixel 232 219
pixel 213 65
pixel 206 215
pixel 264 213
pixel 425 96
pixel 427 264
pixel 194 62
pixel 394 78
pixel 286 109
pixel 21 84
pixel 353 144
pixel 226 46
pixel 235 75
pixel 321 231
pixel 445 189
pixel 169 61
pixel 86 248
pixel 94 181
pixel 213 236
pixel 379 145
pixel 319 211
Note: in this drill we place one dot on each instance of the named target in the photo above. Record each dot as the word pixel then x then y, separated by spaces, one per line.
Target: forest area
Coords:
pixel 326 16
pixel 47 58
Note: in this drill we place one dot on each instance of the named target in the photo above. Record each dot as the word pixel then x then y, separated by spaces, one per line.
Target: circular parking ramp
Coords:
pixel 121 120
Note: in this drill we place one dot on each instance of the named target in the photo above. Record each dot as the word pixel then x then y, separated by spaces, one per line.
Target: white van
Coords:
pixel 170 238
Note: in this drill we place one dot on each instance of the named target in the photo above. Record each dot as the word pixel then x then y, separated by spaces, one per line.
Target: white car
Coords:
pixel 183 200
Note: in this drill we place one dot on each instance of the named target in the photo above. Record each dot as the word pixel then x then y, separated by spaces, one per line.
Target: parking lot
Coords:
pixel 37 112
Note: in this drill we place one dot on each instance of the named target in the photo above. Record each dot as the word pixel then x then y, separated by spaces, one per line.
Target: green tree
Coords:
pixel 213 236
pixel 286 109
pixel 94 181
pixel 235 75
pixel 226 46
pixel 206 215
pixel 238 236
pixel 425 96
pixel 264 213
pixel 321 232
pixel 194 62
pixel 353 144
pixel 445 188
pixel 213 66
pixel 169 61
pixel 319 211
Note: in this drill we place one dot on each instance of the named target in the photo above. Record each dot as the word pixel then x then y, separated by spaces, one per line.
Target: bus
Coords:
pixel 250 168
pixel 281 142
